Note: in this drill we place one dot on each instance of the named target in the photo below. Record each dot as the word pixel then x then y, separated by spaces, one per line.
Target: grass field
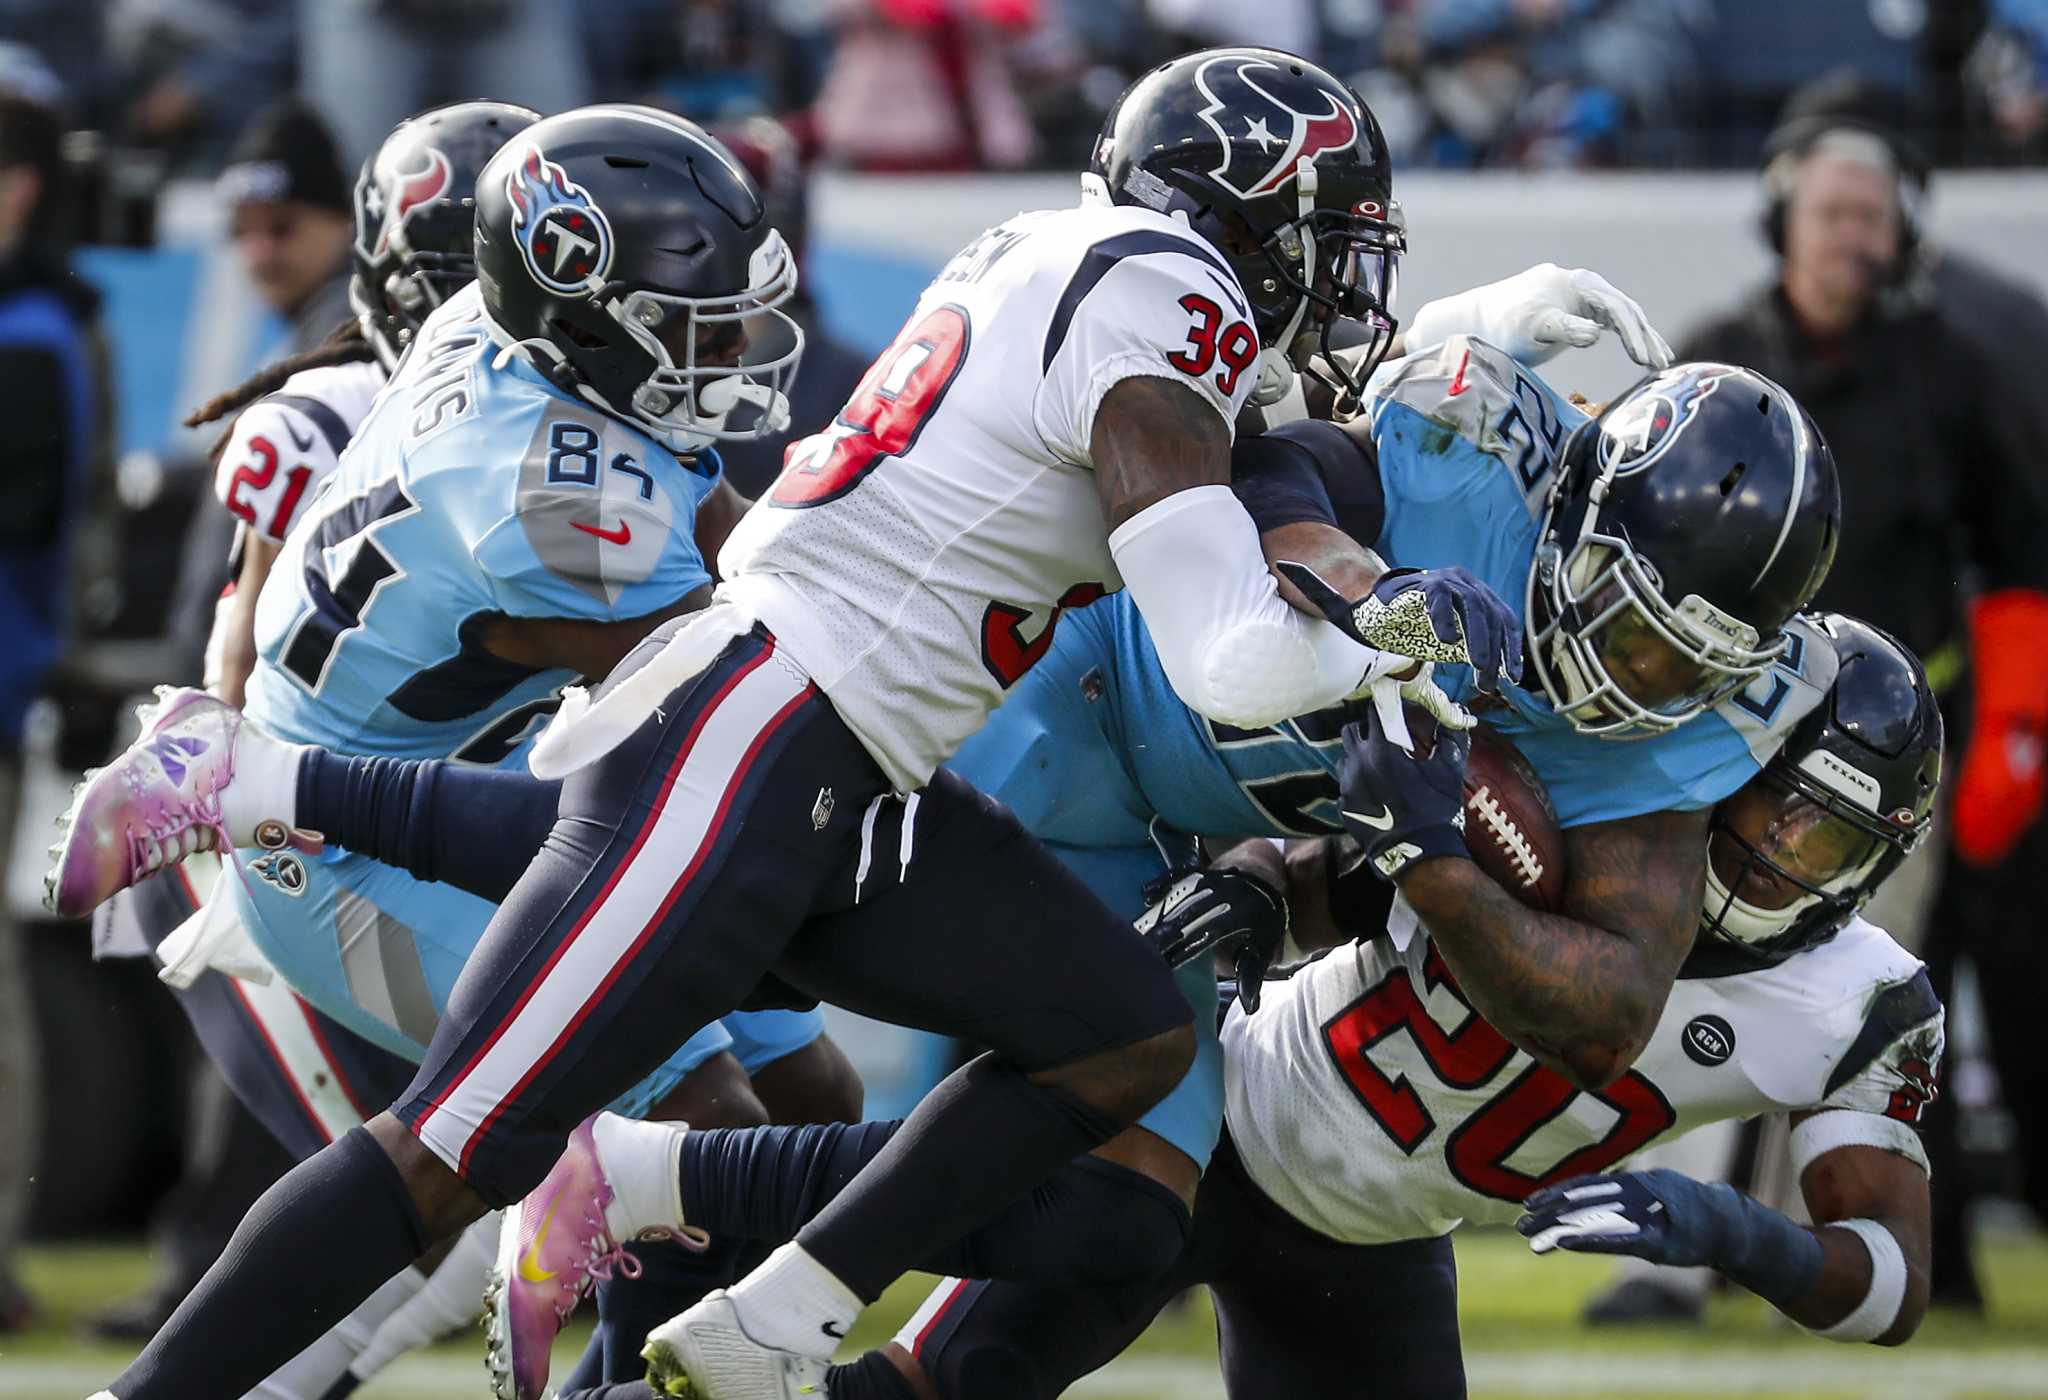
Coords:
pixel 1517 1320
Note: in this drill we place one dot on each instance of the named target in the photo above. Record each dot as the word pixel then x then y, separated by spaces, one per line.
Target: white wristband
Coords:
pixel 1874 1316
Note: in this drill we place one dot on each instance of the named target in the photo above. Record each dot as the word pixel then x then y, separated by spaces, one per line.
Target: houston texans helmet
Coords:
pixel 1282 168
pixel 415 216
pixel 627 254
pixel 1806 843
pixel 1686 524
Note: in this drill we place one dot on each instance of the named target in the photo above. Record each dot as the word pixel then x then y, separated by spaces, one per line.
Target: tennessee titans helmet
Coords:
pixel 1282 168
pixel 1851 794
pixel 415 216
pixel 627 254
pixel 1687 522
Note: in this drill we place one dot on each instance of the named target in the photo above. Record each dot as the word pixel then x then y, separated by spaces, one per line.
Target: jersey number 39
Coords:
pixel 900 391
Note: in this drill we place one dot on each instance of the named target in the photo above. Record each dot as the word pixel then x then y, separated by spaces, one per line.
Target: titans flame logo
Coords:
pixel 1263 138
pixel 564 237
pixel 1643 430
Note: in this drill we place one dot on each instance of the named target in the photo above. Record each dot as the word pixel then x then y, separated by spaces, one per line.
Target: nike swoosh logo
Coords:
pixel 622 535
pixel 1383 822
pixel 304 444
pixel 529 1262
pixel 833 1330
pixel 1458 384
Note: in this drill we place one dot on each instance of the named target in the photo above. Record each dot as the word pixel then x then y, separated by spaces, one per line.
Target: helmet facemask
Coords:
pixel 1615 657
pixel 1336 265
pixel 739 356
pixel 1790 858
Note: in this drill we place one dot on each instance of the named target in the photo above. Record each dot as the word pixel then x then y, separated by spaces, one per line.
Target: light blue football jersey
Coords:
pixel 1094 748
pixel 1468 443
pixel 473 489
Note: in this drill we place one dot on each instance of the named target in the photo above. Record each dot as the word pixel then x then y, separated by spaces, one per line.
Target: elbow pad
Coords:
pixel 1232 647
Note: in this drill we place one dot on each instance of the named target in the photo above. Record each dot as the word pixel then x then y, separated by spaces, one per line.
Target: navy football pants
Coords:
pixel 742 835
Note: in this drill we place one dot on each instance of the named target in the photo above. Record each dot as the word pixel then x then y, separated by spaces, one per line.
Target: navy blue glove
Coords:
pixel 1217 911
pixel 1400 806
pixel 1668 1218
pixel 1447 615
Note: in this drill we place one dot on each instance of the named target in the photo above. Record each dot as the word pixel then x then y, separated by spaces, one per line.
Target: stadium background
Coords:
pixel 1676 233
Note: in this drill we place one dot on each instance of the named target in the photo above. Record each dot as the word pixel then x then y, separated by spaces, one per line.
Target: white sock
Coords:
pixel 794 1303
pixel 640 1163
pixel 265 786
pixel 451 1299
pixel 313 1372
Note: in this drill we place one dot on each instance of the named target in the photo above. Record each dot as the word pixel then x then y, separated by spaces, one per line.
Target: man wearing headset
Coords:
pixel 1919 368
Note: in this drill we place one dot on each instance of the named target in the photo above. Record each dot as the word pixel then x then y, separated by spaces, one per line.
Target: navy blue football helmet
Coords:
pixel 628 255
pixel 1281 167
pixel 415 216
pixel 1686 524
pixel 1805 843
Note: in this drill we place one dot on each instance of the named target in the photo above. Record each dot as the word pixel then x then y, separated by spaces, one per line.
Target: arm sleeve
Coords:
pixel 274 459
pixel 1233 649
pixel 1145 303
pixel 34 485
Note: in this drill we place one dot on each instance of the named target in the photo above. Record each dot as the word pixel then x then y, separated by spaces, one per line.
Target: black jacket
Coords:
pixel 1939 499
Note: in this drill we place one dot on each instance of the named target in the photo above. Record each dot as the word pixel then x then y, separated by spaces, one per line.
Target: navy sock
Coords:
pixel 312 1248
pixel 869 1378
pixel 979 1141
pixel 765 1184
pixel 474 828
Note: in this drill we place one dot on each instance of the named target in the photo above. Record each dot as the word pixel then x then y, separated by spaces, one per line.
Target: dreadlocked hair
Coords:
pixel 345 344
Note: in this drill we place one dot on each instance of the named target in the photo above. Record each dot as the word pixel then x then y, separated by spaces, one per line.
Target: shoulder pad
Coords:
pixel 1463 383
pixel 588 504
pixel 1765 713
pixel 1472 391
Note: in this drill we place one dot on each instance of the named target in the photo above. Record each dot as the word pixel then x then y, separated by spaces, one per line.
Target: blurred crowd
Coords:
pixel 994 84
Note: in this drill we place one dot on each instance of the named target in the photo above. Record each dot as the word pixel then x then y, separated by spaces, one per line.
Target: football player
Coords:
pixel 302 1074
pixel 1101 760
pixel 1055 420
pixel 362 945
pixel 1372 1108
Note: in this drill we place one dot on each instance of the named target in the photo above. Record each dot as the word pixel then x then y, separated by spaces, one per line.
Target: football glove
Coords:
pixel 1400 806
pixel 1668 1218
pixel 1217 911
pixel 1446 615
pixel 1539 313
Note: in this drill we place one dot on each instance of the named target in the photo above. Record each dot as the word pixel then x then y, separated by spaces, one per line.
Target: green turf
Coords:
pixel 1515 1306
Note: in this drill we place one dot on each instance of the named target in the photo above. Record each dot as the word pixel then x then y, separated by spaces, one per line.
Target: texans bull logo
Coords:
pixel 393 197
pixel 564 237
pixel 1263 138
pixel 1643 430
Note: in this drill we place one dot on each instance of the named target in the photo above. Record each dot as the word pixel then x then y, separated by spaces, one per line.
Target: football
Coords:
pixel 1510 826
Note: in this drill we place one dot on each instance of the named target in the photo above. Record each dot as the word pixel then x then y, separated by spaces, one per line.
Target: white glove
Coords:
pixel 1538 314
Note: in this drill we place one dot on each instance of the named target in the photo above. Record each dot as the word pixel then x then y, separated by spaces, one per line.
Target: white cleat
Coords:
pixel 705 1354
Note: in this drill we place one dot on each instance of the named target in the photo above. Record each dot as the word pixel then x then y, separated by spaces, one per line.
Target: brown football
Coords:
pixel 1510 827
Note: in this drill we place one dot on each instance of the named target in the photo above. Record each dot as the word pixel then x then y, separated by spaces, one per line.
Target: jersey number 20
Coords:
pixel 1471 1057
pixel 900 391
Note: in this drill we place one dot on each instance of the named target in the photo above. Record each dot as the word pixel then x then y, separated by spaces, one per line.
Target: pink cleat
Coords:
pixel 156 804
pixel 555 1247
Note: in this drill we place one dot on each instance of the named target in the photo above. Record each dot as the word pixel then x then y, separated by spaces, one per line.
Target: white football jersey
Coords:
pixel 1370 1101
pixel 915 555
pixel 285 444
